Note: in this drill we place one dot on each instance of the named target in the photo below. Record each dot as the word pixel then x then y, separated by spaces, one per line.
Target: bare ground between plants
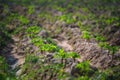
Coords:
pixel 88 49
pixel 71 41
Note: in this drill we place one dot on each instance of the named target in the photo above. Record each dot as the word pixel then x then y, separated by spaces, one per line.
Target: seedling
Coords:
pixel 83 78
pixel 68 19
pixel 31 59
pixel 113 49
pixel 31 9
pixel 24 20
pixel 50 41
pixel 38 41
pixel 84 67
pixel 74 55
pixel 48 47
pixel 86 35
pixel 100 38
pixel 34 29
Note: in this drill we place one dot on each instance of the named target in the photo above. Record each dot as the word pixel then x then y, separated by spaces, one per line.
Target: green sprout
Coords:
pixel 113 49
pixel 24 20
pixel 48 48
pixel 74 55
pixel 62 54
pixel 33 30
pixel 68 19
pixel 31 9
pixel 37 41
pixel 86 35
pixel 83 78
pixel 84 67
pixel 100 38
pixel 32 58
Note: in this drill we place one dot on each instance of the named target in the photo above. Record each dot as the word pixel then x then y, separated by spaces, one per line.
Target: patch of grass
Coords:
pixel 86 35
pixel 18 30
pixel 48 48
pixel 84 68
pixel 38 41
pixel 24 20
pixel 83 64
pixel 61 9
pixel 31 9
pixel 100 75
pixel 112 49
pixel 46 16
pixel 68 18
pixel 5 36
pixel 50 41
pixel 100 38
pixel 83 78
pixel 62 54
pixel 5 74
pixel 33 31
pixel 31 59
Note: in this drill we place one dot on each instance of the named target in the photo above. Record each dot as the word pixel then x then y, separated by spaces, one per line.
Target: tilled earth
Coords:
pixel 69 38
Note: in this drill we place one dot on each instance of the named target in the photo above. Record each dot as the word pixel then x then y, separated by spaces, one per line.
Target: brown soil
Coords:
pixel 88 49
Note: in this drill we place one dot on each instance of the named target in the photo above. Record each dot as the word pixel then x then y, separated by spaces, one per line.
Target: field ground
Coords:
pixel 60 40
